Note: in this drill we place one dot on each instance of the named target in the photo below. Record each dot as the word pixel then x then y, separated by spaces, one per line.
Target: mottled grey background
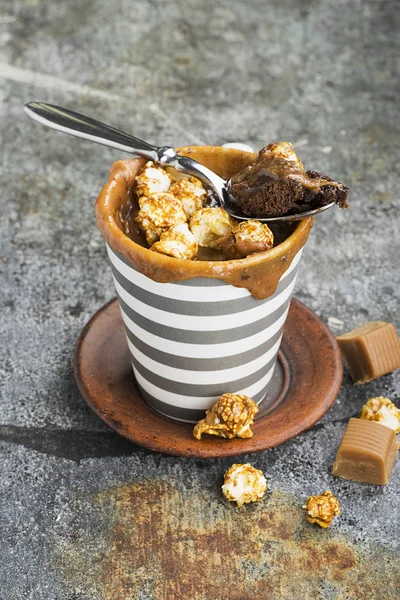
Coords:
pixel 318 73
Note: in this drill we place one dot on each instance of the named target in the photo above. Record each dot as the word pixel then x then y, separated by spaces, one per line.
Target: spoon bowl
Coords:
pixel 231 207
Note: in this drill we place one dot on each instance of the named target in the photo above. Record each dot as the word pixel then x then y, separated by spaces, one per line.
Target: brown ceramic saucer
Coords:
pixel 305 384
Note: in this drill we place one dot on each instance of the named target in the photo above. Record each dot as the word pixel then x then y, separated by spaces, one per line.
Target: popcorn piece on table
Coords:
pixel 158 213
pixel 191 193
pixel 246 238
pixel 152 180
pixel 322 509
pixel 230 417
pixel 244 484
pixel 178 241
pixel 383 411
pixel 209 224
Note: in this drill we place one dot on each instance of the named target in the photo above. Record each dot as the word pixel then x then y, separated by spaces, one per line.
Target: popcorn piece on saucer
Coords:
pixel 191 192
pixel 246 238
pixel 230 417
pixel 158 213
pixel 209 224
pixel 152 180
pixel 177 241
pixel 244 484
pixel 383 411
pixel 322 509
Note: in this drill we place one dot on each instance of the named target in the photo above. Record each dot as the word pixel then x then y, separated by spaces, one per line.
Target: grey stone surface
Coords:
pixel 318 73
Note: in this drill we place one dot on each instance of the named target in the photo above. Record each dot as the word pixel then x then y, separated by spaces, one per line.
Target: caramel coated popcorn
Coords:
pixel 209 224
pixel 283 150
pixel 177 241
pixel 158 213
pixel 152 180
pixel 244 484
pixel 230 417
pixel 383 411
pixel 191 193
pixel 246 238
pixel 322 509
pixel 165 203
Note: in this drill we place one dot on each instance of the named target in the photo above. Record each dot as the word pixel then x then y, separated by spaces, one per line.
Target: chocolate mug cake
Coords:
pixel 204 299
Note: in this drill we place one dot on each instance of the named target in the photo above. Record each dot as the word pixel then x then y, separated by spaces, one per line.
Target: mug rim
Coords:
pixel 114 192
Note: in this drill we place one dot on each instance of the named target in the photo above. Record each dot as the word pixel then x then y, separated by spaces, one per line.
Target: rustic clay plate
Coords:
pixel 305 384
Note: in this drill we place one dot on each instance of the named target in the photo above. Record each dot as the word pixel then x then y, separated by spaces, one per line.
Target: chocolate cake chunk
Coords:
pixel 276 184
pixel 271 198
pixel 330 191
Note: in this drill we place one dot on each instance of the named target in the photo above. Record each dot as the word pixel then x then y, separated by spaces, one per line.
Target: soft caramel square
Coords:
pixel 366 453
pixel 371 351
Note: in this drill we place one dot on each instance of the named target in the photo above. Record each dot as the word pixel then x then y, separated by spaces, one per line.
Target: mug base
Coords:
pixel 104 376
pixel 276 391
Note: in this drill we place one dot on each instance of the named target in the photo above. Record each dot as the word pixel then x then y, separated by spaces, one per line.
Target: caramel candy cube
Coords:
pixel 366 453
pixel 371 351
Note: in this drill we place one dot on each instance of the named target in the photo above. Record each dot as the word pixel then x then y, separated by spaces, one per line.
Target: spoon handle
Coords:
pixel 68 121
pixel 73 123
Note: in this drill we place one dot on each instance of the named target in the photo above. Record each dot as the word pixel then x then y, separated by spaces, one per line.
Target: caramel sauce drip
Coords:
pixel 278 167
pixel 259 273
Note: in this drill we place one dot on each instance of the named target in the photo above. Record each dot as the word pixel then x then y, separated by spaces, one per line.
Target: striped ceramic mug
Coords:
pixel 192 341
pixel 194 337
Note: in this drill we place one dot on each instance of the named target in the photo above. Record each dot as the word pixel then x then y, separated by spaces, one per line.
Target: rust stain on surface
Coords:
pixel 166 543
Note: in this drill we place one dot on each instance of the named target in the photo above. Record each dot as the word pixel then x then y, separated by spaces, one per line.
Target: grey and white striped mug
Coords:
pixel 195 336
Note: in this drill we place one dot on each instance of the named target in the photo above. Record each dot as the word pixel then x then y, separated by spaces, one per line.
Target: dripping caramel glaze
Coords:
pixel 259 273
pixel 280 168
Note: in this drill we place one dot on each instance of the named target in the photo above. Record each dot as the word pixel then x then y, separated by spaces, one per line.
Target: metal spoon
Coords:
pixel 73 123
